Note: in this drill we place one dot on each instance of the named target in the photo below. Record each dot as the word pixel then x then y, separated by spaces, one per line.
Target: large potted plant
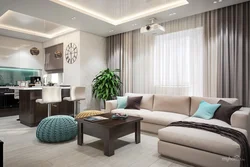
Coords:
pixel 106 85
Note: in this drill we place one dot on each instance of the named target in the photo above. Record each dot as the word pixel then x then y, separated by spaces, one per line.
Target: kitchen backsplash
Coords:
pixel 10 76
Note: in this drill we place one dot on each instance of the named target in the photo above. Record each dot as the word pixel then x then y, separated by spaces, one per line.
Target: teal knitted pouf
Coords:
pixel 56 129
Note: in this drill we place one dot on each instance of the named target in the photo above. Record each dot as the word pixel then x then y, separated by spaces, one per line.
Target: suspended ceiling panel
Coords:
pixel 120 11
pixel 62 14
pixel 22 23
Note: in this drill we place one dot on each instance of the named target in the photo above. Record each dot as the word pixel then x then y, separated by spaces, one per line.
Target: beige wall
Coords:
pixel 91 59
pixel 71 71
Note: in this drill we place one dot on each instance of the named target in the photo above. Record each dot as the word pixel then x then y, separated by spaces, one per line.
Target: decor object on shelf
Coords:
pixel 34 51
pixel 56 129
pixel 71 53
pixel 106 85
pixel 88 113
pixel 58 54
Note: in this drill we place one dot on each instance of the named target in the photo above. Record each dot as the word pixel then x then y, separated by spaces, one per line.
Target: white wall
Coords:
pixel 93 60
pixel 16 53
pixel 71 71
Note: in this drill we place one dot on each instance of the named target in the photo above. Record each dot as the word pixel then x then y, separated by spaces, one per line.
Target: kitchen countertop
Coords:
pixel 32 88
pixel 4 87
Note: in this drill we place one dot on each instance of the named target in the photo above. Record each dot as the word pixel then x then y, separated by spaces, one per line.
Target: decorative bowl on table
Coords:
pixel 120 116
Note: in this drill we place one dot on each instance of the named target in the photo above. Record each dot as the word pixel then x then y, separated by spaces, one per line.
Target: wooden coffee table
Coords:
pixel 109 130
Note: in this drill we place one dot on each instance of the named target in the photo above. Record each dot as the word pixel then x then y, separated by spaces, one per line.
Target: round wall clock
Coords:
pixel 71 53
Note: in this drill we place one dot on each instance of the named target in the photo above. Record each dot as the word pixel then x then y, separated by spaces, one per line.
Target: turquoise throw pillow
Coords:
pixel 122 101
pixel 206 110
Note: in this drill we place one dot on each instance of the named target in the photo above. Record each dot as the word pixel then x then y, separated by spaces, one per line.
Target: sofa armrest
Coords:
pixel 110 105
pixel 241 118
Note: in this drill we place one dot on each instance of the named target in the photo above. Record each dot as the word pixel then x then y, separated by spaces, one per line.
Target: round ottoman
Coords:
pixel 56 129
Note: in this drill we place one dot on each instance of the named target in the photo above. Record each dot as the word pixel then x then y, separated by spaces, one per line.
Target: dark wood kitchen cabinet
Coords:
pixel 52 62
pixel 8 104
pixel 31 113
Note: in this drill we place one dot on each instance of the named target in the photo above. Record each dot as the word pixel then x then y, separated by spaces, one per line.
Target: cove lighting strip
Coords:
pixel 30 32
pixel 102 17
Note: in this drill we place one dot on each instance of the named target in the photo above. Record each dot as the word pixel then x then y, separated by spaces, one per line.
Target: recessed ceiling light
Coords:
pixel 134 24
pixel 111 30
pixel 218 1
pixel 73 18
pixel 171 14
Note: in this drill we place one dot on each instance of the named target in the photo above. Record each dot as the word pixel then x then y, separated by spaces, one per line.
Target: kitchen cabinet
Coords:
pixel 31 112
pixel 8 104
pixel 53 63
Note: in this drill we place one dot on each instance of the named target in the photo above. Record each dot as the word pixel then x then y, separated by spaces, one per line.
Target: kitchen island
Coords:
pixel 31 113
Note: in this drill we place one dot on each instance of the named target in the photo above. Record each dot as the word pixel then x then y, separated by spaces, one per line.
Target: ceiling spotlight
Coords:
pixel 218 1
pixel 171 14
pixel 134 24
pixel 111 30
pixel 73 18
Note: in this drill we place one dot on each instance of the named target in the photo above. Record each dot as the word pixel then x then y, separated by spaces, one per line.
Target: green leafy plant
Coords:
pixel 106 85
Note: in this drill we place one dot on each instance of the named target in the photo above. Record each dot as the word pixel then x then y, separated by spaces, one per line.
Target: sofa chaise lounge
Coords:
pixel 193 146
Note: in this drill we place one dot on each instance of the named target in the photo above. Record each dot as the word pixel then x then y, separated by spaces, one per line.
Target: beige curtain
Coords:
pixel 120 57
pixel 229 35
pixel 213 48
pixel 173 63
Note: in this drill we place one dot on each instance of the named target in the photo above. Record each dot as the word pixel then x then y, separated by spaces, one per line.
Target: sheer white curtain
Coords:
pixel 172 63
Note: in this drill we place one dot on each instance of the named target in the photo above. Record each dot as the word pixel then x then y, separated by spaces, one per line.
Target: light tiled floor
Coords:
pixel 21 149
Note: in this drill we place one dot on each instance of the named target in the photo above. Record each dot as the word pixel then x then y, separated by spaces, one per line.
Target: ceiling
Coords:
pixel 100 17
pixel 120 11
pixel 22 23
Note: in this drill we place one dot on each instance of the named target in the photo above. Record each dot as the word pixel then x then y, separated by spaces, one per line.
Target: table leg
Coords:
pixel 109 148
pixel 137 132
pixel 80 134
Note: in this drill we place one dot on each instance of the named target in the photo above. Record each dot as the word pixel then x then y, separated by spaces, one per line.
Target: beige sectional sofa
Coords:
pixel 194 146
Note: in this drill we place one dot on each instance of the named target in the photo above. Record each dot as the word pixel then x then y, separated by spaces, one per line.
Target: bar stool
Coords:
pixel 76 94
pixel 50 95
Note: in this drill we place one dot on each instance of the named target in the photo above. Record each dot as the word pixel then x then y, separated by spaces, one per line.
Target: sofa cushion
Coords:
pixel 195 101
pixel 201 139
pixel 122 101
pixel 225 111
pixel 161 117
pixel 176 104
pixel 206 110
pixel 134 102
pixel 131 112
pixel 146 102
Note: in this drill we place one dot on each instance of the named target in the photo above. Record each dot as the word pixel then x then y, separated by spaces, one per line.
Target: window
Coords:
pixel 178 62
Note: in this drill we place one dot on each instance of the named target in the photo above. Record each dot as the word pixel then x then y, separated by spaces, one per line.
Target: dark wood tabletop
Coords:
pixel 110 123
pixel 109 130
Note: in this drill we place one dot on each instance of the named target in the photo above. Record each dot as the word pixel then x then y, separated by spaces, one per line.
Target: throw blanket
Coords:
pixel 233 134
